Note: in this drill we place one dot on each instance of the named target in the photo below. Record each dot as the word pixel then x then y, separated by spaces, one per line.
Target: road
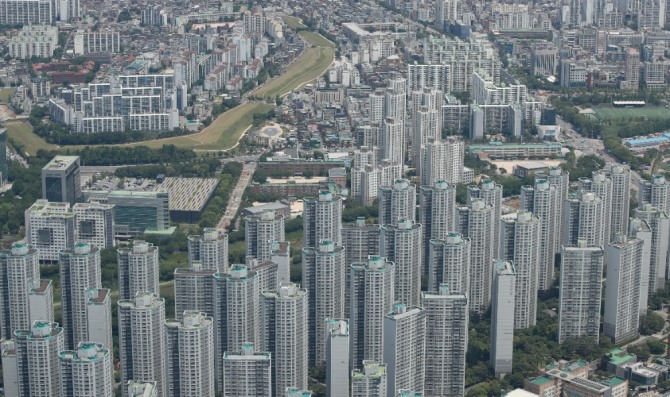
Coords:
pixel 236 196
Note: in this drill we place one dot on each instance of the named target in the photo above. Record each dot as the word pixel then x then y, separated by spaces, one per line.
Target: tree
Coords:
pixel 651 324
pixel 656 346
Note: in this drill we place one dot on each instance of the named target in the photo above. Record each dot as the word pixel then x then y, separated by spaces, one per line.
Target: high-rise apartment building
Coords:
pixel 284 334
pixel 561 180
pixel 324 277
pixel 99 316
pixel 50 228
pixel 141 389
pixel 372 294
pixel 449 263
pixel 640 230
pixel 87 371
pixel 492 194
pixel 655 192
pixel 194 289
pixel 61 181
pixel 392 140
pixel 360 240
pixel 584 219
pixel 659 225
pixel 396 202
pixel 79 271
pixel 620 175
pixel 621 320
pixel 10 371
pixel 520 245
pixel 138 269
pixel 37 359
pixel 446 341
pixel 239 308
pixel 95 224
pixel 190 355
pixel 543 201
pixel 18 268
pixel 260 231
pixel 322 219
pixel 502 317
pixel 34 41
pixel 337 357
pixel 281 255
pixel 41 300
pixel 602 186
pixel 401 244
pixel 443 161
pixel 247 372
pixel 580 292
pixel 370 381
pixel 476 223
pixel 405 348
pixel 210 249
pixel 142 340
pixel 437 215
pixel 27 12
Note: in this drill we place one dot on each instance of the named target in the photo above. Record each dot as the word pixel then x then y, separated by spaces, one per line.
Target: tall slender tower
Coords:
pixel 622 295
pixel 79 271
pixel 476 223
pixel 543 201
pixel 284 333
pixel 337 357
pixel 437 215
pixel 37 359
pixel 640 230
pixel 405 348
pixel 87 371
pixel 620 175
pixel 401 244
pixel 210 249
pixel 369 381
pixel 446 342
pixel 561 181
pixel 392 140
pixel 190 355
pixel 397 202
pixel 260 230
pixel 324 277
pixel 138 269
pixel 601 185
pixel 142 340
pixel 322 219
pixel 41 300
pixel 360 240
pixel 580 292
pixel 281 255
pixel 194 289
pixel 10 370
pixel 18 267
pixel 449 263
pixel 584 219
pixel 99 316
pixel 502 317
pixel 655 192
pixel 239 308
pixel 247 372
pixel 660 230
pixel 520 239
pixel 492 194
pixel 372 286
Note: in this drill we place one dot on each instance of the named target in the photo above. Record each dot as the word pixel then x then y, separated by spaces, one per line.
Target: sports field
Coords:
pixel 608 113
pixel 293 22
pixel 23 134
pixel 6 93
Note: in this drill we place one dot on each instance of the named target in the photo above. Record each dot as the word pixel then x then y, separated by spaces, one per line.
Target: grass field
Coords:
pixel 23 134
pixel 293 22
pixel 311 65
pixel 648 112
pixel 6 93
pixel 316 39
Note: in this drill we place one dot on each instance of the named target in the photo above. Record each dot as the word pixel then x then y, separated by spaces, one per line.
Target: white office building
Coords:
pixel 247 373
pixel 87 371
pixel 50 228
pixel 337 357
pixel 138 269
pixel 502 317
pixel 405 348
pixel 95 224
pixel 19 267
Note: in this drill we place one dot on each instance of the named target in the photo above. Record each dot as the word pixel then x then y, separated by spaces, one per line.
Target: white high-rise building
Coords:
pixel 138 270
pixel 190 355
pixel 41 300
pixel 437 213
pixel 621 321
pixel 10 370
pixel 360 240
pixel 372 290
pixel 446 341
pixel 659 224
pixel 37 359
pixel 392 140
pixel 443 160
pixel 401 244
pixel 640 230
pixel 396 202
pixel 87 371
pixel 239 308
pixel 502 317
pixel 370 381
pixel 324 277
pixel 194 289
pixel 580 292
pixel 210 249
pixel 655 192
pixel 247 373
pixel 620 175
pixel 584 219
pixel 281 255
pixel 520 245
pixel 601 185
pixel 260 230
pixel 19 267
pixel 284 334
pixel 376 105
pixel 322 219
pixel 492 194
pixel 543 201
pixel 449 263
pixel 142 340
pixel 561 181
pixel 405 348
pixel 337 358
pixel 95 224
pixel 425 130
pixel 99 316
pixel 476 223
pixel 79 271
pixel 50 228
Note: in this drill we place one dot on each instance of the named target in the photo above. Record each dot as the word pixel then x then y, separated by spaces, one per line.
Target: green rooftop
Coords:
pixel 613 381
pixel 618 356
pixel 541 380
